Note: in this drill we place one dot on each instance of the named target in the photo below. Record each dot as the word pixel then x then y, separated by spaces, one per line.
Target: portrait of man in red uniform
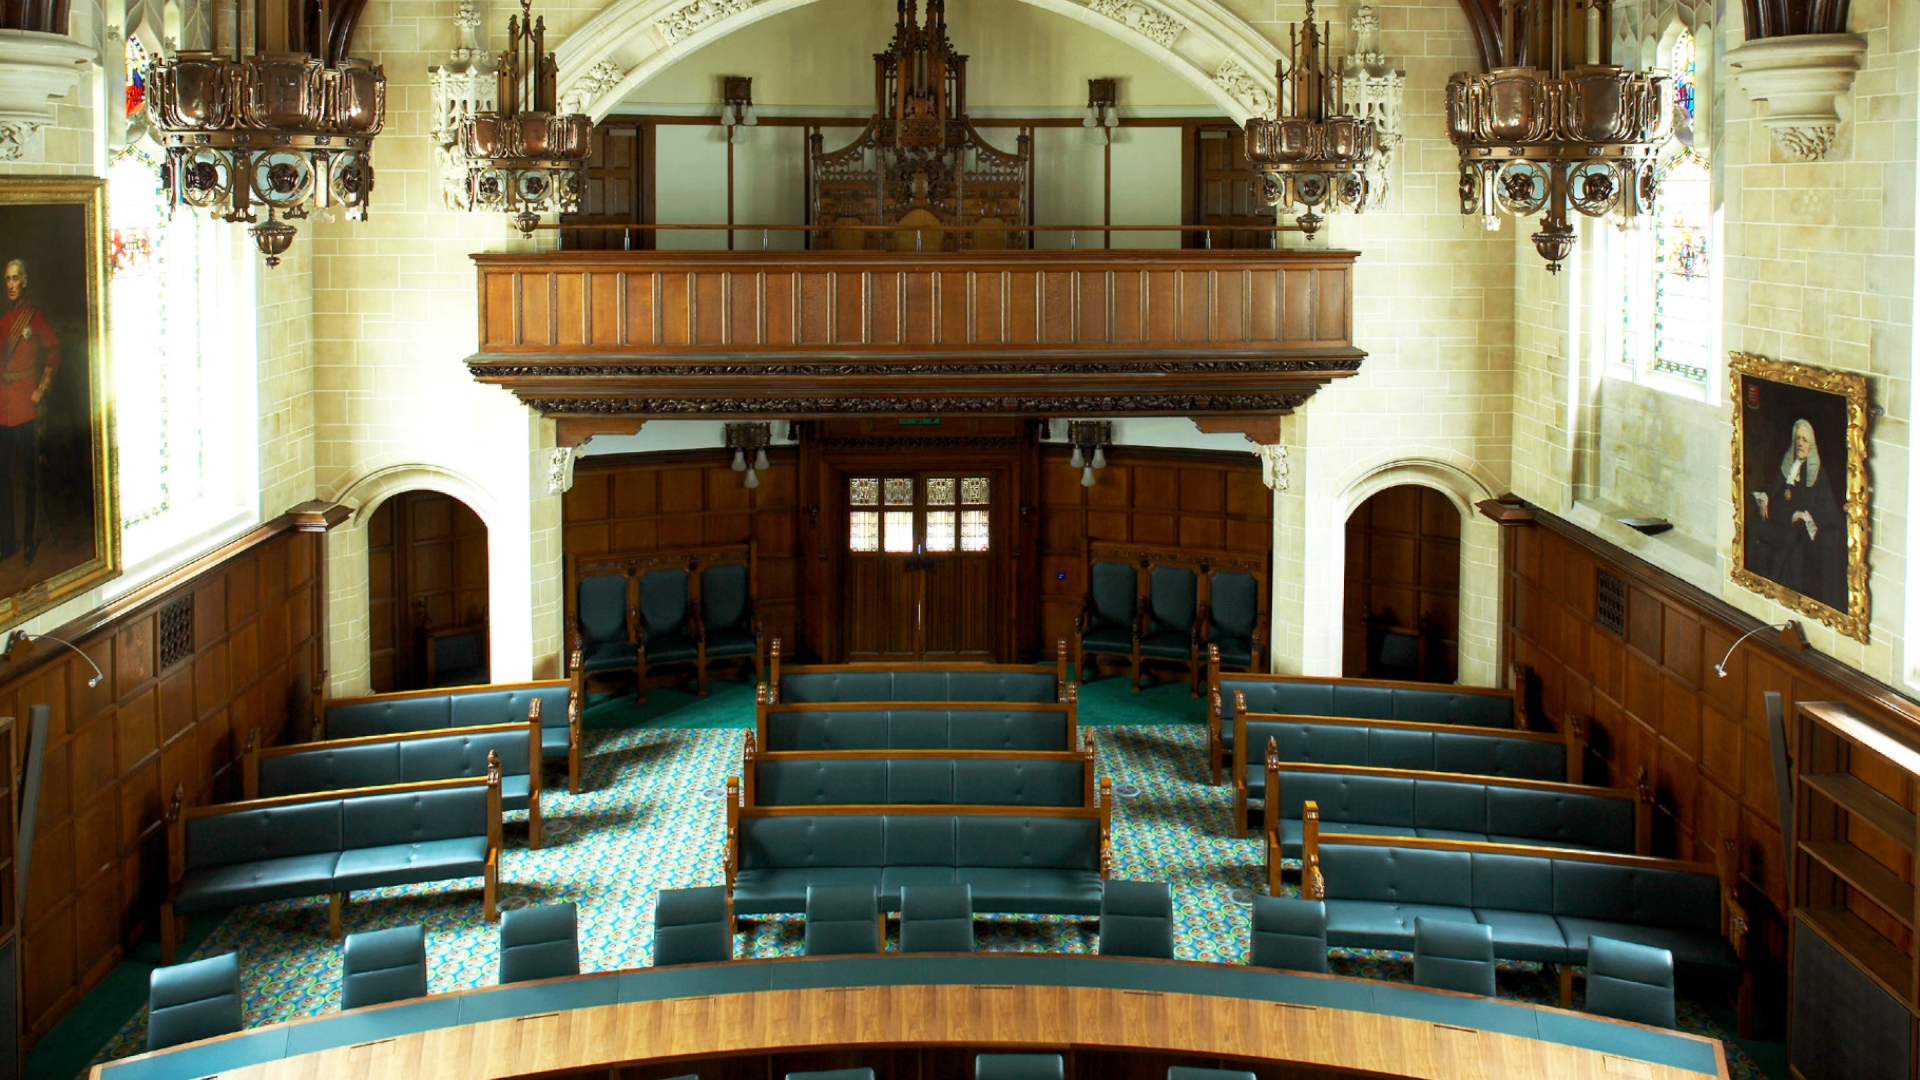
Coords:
pixel 29 363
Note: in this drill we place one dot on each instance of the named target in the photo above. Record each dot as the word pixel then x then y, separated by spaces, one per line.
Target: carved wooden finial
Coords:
pixel 493 766
pixel 1239 702
pixel 1273 753
pixel 253 740
pixel 1086 745
pixel 760 695
pixel 1213 653
pixel 1643 786
pixel 753 747
pixel 533 710
pixel 579 656
pixel 176 804
pixel 776 649
pixel 1073 693
pixel 1106 791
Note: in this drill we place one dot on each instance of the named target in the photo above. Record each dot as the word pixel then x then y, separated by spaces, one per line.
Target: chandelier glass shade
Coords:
pixel 287 129
pixel 525 158
pixel 1313 154
pixel 1552 130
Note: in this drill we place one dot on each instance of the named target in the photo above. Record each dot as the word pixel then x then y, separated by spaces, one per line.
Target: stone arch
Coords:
pixel 509 602
pixel 1464 482
pixel 1202 40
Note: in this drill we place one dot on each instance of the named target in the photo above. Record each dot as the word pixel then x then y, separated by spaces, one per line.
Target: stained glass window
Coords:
pixel 899 492
pixel 899 536
pixel 973 530
pixel 863 492
pixel 1683 311
pixel 973 490
pixel 940 530
pixel 136 74
pixel 940 491
pixel 863 526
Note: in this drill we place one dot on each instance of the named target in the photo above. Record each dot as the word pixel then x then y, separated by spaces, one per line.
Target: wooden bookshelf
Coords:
pixel 1856 838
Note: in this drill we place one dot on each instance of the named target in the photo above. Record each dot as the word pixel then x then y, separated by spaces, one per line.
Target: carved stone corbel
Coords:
pixel 1802 79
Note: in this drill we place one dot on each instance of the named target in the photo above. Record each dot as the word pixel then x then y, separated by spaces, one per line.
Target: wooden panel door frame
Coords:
pixel 832 451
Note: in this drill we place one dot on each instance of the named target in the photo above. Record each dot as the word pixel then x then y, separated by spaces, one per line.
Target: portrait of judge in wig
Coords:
pixel 1796 525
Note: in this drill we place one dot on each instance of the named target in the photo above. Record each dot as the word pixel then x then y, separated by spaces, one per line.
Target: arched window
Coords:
pixel 180 338
pixel 1660 276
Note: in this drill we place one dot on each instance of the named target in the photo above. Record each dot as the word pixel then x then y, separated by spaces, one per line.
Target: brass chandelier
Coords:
pixel 1550 128
pixel 525 159
pixel 1313 153
pixel 287 127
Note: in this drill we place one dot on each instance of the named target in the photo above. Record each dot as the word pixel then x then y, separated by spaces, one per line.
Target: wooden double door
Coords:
pixel 924 563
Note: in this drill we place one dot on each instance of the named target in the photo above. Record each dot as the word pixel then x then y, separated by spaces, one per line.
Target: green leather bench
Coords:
pixel 834 683
pixel 1352 699
pixel 407 758
pixel 1038 861
pixel 1543 904
pixel 917 777
pixel 329 844
pixel 883 725
pixel 1401 744
pixel 551 701
pixel 1441 806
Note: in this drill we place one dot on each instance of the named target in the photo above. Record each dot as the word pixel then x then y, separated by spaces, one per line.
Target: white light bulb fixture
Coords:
pixel 741 438
pixel 1089 439
pixel 760 459
pixel 739 461
pixel 736 108
pixel 1103 108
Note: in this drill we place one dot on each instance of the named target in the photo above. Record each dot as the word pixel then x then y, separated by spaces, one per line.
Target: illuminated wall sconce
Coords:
pixel 736 109
pixel 1103 108
pixel 752 438
pixel 1090 438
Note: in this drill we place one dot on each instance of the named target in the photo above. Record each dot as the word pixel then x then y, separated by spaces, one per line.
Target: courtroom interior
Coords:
pixel 1000 539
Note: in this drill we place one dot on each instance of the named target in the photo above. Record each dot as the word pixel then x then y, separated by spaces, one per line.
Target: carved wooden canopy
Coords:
pixel 586 335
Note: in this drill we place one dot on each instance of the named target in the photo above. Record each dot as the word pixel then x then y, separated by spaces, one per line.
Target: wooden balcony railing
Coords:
pixel 805 334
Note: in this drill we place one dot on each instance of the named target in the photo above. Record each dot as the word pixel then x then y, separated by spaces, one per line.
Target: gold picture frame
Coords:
pixel 1796 541
pixel 59 489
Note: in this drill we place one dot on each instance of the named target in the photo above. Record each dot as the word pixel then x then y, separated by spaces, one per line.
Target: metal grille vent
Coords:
pixel 176 631
pixel 1610 602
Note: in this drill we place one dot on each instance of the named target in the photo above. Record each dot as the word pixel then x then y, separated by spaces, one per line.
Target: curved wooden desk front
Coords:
pixel 1307 1025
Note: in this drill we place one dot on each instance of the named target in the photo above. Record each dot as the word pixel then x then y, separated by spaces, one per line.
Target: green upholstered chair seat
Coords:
pixel 1452 955
pixel 539 943
pixel 664 602
pixel 601 608
pixel 1233 610
pixel 406 864
pixel 1019 1067
pixel 515 792
pixel 667 648
pixel 608 656
pixel 286 878
pixel 1136 919
pixel 895 878
pixel 1167 645
pixel 842 919
pixel 1288 933
pixel 936 918
pixel 379 966
pixel 554 742
pixel 1628 981
pixel 1106 637
pixel 724 599
pixel 1038 891
pixel 1237 651
pixel 729 643
pixel 1113 591
pixel 1524 935
pixel 1694 951
pixel 690 926
pixel 1173 599
pixel 196 1000
pixel 1382 924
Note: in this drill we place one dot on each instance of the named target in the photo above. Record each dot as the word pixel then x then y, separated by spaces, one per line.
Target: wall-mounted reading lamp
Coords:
pixel 1789 630
pixel 21 637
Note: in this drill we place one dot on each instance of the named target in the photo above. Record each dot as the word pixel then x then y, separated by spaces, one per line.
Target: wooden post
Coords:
pixel 1086 769
pixel 536 769
pixel 176 840
pixel 1736 924
pixel 576 707
pixel 1575 730
pixel 1073 713
pixel 1520 719
pixel 747 768
pixel 1236 760
pixel 773 676
pixel 1106 827
pixel 761 696
pixel 491 890
pixel 1270 819
pixel 1313 886
pixel 1214 747
pixel 337 902
pixel 1642 813
pixel 1060 680
pixel 317 723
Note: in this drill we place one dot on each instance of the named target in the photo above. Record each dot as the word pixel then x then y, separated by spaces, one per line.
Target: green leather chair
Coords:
pixel 1234 625
pixel 539 943
pixel 691 926
pixel 1630 981
pixel 833 1074
pixel 1450 955
pixel 603 626
pixel 1172 629
pixel 192 1001
pixel 666 626
pixel 1110 618
pixel 1188 1072
pixel 1288 933
pixel 842 919
pixel 383 965
pixel 728 627
pixel 1136 919
pixel 1019 1067
pixel 936 918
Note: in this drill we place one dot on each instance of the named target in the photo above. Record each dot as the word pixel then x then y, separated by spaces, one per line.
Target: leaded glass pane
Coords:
pixel 863 492
pixel 899 529
pixel 973 491
pixel 1683 295
pixel 973 529
pixel 899 493
pixel 940 525
pixel 940 491
pixel 863 530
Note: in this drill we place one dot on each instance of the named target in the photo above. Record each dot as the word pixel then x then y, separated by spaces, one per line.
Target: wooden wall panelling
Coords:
pixel 1655 702
pixel 689 499
pixel 427 565
pixel 1403 569
pixel 114 751
pixel 1179 498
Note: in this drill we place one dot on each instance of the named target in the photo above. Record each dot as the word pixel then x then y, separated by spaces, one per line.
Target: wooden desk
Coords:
pixel 844 1011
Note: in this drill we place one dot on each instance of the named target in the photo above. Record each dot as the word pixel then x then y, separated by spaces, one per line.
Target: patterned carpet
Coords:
pixel 651 818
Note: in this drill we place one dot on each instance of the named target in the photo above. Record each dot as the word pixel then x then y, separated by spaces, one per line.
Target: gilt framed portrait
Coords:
pixel 59 514
pixel 1801 488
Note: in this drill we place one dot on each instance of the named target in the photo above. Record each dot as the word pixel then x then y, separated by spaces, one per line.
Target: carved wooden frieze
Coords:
pixel 801 334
